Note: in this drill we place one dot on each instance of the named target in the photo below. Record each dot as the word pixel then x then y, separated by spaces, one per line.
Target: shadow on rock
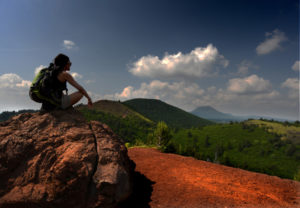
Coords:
pixel 141 195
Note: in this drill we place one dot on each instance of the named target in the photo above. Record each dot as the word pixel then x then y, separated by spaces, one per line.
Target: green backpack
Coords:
pixel 43 88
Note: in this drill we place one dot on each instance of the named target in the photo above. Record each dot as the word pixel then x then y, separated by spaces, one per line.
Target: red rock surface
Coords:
pixel 58 159
pixel 174 181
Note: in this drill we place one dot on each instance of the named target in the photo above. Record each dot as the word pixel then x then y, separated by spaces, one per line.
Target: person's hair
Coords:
pixel 61 60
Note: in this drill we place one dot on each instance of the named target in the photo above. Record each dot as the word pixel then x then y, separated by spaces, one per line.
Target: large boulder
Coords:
pixel 58 159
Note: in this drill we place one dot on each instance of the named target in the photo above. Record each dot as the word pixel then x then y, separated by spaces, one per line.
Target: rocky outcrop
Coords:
pixel 58 159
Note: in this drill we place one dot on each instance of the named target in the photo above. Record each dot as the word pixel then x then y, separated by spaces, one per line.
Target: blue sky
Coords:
pixel 241 57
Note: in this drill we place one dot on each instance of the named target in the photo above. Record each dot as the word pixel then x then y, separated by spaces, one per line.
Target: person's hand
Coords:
pixel 90 103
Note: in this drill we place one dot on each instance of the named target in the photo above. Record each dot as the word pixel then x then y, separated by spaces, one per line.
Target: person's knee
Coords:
pixel 75 97
pixel 79 95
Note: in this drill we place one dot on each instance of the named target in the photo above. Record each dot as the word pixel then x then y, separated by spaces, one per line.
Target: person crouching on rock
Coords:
pixel 48 86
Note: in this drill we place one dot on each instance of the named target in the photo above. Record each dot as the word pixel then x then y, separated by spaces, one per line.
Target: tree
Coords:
pixel 290 150
pixel 297 175
pixel 162 134
pixel 220 150
pixel 206 142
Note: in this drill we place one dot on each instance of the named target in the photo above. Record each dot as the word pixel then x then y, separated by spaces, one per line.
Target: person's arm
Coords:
pixel 72 81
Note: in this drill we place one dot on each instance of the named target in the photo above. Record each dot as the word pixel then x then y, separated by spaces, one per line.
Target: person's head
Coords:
pixel 62 61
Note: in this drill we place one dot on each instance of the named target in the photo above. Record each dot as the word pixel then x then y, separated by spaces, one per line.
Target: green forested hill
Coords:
pixel 157 110
pixel 115 108
pixel 284 130
pixel 244 145
pixel 125 122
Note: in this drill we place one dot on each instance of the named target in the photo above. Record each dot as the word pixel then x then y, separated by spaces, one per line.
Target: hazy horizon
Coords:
pixel 253 116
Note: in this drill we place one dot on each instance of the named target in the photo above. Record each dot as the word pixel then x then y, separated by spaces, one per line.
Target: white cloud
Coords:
pixel 188 96
pixel 248 85
pixel 75 75
pixel 291 83
pixel 296 66
pixel 89 81
pixel 244 66
pixel 13 81
pixel 24 83
pixel 181 93
pixel 68 44
pixel 14 93
pixel 126 93
pixel 271 43
pixel 200 62
pixel 9 80
pixel 39 68
pixel 159 89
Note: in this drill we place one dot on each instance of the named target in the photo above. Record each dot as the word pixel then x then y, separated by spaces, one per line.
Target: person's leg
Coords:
pixel 69 100
pixel 75 97
pixel 46 106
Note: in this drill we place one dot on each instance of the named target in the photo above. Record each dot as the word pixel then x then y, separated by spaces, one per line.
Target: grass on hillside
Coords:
pixel 285 130
pixel 157 110
pixel 131 128
pixel 115 108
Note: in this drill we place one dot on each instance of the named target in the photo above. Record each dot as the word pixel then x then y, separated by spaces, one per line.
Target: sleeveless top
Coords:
pixel 58 86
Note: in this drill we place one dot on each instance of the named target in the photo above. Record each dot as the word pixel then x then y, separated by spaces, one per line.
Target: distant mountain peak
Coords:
pixel 211 113
pixel 206 107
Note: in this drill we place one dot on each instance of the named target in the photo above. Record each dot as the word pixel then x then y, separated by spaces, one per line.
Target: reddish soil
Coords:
pixel 170 181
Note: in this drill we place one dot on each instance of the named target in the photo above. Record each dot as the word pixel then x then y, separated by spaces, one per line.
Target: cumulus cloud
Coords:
pixel 244 66
pixel 182 93
pixel 24 83
pixel 248 85
pixel 200 62
pixel 68 44
pixel 272 42
pixel 188 96
pixel 38 69
pixel 255 97
pixel 291 83
pixel 14 91
pixel 159 89
pixel 126 93
pixel 13 81
pixel 75 75
pixel 296 66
